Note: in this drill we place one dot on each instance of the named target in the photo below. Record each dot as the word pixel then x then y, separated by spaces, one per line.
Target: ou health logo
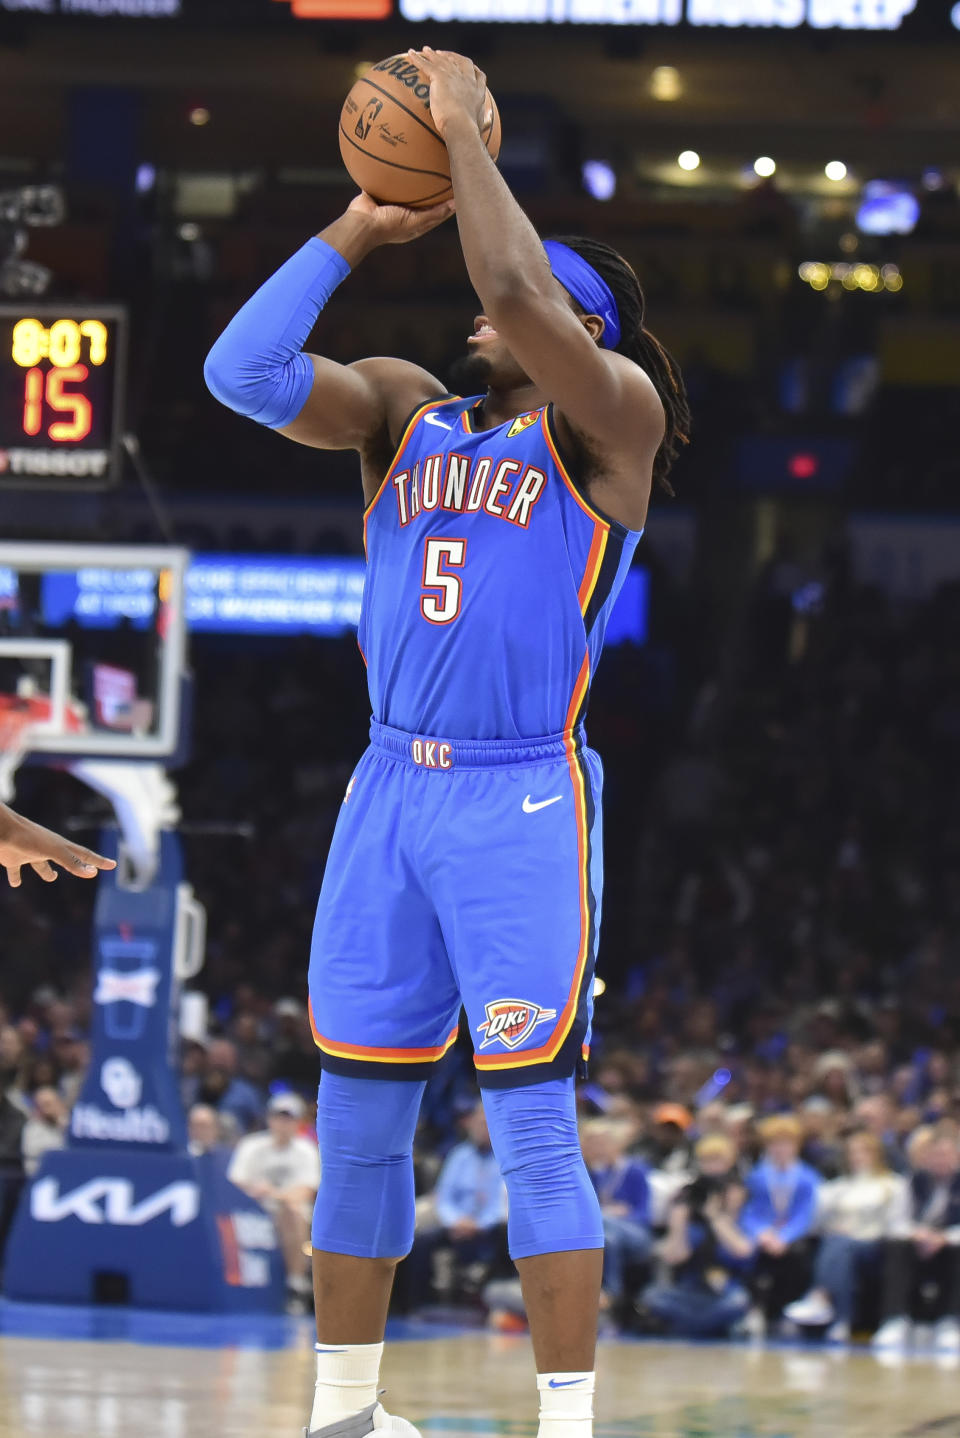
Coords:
pixel 511 1021
pixel 121 1083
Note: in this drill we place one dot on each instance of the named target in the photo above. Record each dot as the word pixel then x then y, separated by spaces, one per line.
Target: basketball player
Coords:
pixel 466 866
pixel 23 842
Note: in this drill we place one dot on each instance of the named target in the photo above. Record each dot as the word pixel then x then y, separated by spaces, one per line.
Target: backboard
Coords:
pixel 92 651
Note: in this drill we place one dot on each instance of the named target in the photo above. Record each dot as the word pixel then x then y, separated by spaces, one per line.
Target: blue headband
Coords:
pixel 589 289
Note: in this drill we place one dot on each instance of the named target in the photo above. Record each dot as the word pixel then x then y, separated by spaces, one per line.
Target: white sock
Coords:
pixel 348 1377
pixel 566 1404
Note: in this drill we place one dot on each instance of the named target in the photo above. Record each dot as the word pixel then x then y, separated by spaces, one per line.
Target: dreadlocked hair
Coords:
pixel 639 345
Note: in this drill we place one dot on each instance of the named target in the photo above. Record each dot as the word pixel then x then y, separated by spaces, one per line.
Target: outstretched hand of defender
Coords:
pixel 458 87
pixel 23 842
pixel 396 224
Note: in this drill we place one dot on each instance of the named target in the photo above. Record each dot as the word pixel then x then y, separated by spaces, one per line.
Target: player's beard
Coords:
pixel 470 374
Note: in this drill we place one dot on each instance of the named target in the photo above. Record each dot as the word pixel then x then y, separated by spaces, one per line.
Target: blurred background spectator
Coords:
pixel 706 1252
pixel 855 1214
pixel 922 1270
pixel 280 1168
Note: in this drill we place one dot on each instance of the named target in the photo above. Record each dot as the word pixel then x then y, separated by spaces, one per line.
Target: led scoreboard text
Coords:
pixel 60 377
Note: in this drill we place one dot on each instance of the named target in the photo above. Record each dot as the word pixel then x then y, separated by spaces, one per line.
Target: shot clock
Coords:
pixel 61 379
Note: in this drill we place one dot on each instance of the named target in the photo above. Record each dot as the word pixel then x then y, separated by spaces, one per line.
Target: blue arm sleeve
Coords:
pixel 257 366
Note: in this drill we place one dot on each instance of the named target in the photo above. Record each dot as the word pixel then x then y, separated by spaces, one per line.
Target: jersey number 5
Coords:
pixel 438 554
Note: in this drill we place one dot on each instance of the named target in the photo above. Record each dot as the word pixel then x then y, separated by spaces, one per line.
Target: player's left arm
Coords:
pixel 23 842
pixel 602 395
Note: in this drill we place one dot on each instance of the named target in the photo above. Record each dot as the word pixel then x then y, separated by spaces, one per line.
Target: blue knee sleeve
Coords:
pixel 553 1205
pixel 365 1127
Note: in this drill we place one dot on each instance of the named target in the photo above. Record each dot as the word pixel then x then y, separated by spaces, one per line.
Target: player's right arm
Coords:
pixel 258 368
pixel 22 842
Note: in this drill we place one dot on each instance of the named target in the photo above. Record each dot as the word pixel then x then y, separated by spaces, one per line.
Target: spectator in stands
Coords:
pixel 667 1146
pixel 854 1216
pixel 706 1250
pixel 203 1130
pixel 293 1053
pixel 876 1113
pixel 281 1170
pixel 45 1129
pixel 779 1217
pixel 624 1194
pixel 822 1147
pixel 12 1121
pixel 923 1254
pixel 13 1061
pixel 218 1084
pixel 469 1214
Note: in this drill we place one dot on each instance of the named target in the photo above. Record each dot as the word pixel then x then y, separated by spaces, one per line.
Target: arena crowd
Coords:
pixel 772 1113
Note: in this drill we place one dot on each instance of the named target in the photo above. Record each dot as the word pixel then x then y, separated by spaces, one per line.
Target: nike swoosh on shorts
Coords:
pixel 530 808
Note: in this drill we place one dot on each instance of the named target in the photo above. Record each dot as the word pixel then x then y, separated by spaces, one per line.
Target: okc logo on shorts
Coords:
pixel 511 1020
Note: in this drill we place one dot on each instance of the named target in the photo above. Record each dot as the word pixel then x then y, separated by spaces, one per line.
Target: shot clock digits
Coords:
pixel 60 377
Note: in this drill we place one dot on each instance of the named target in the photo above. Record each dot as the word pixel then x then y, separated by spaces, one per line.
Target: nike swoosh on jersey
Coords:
pixel 432 418
pixel 566 1383
pixel 529 807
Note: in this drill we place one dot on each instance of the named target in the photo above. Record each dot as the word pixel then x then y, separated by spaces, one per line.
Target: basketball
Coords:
pixel 388 140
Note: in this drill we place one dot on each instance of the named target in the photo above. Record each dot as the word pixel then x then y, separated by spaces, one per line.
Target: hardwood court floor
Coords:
pixel 469 1386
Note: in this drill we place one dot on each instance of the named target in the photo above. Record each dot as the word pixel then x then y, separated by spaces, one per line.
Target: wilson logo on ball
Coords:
pixel 388 140
pixel 511 1021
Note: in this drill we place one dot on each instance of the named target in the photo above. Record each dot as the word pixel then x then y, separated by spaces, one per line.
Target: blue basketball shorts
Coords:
pixel 461 873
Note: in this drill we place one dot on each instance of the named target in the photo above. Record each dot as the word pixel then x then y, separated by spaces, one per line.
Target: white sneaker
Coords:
pixel 895 1333
pixel 838 1332
pixel 371 1420
pixel 946 1336
pixel 813 1311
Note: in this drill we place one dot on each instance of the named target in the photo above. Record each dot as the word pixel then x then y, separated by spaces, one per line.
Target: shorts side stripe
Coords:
pixel 548 1051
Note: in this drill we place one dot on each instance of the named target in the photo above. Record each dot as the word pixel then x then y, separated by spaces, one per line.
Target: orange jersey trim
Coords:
pixel 565 475
pixel 598 548
pixel 404 441
pixel 548 1051
pixel 579 692
pixel 369 1054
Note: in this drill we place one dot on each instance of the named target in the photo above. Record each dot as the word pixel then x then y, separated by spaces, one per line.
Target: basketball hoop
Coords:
pixel 16 721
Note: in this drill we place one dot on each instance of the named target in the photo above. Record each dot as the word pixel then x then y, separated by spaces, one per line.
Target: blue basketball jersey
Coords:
pixel 490 580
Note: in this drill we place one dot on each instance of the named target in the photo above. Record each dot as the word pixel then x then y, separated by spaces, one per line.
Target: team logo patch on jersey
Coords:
pixel 522 422
pixel 511 1020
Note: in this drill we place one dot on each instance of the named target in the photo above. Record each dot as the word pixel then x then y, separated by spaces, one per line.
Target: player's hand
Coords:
pixel 23 842
pixel 396 224
pixel 457 87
